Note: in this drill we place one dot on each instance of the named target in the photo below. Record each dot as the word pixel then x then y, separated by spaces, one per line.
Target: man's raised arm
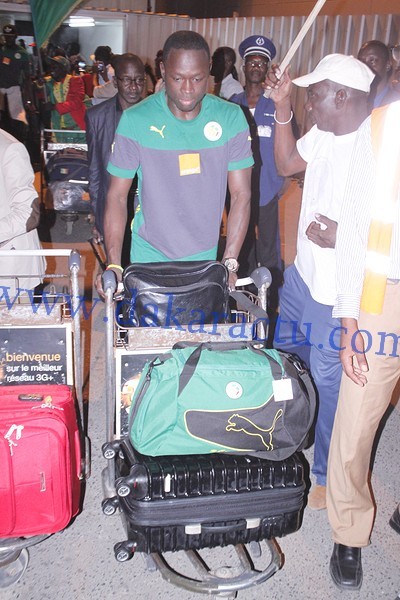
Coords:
pixel 287 158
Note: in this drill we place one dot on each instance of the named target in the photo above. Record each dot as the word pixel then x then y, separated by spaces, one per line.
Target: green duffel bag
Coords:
pixel 222 397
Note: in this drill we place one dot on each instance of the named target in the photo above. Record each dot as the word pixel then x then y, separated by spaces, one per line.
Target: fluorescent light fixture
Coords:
pixel 81 21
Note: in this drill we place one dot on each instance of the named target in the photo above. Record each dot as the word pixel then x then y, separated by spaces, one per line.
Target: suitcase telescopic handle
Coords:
pixel 227 528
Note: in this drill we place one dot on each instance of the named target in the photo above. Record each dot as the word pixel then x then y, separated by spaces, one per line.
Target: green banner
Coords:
pixel 47 16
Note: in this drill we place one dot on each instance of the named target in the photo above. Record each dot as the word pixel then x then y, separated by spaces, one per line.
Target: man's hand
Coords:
pixel 96 235
pixel 352 355
pixel 101 69
pixel 232 278
pixel 30 107
pixel 322 231
pixel 278 84
pixel 120 286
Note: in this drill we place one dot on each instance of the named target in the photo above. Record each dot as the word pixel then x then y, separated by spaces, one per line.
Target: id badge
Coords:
pixel 282 389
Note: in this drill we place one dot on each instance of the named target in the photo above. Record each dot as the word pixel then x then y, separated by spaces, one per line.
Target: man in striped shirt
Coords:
pixel 370 331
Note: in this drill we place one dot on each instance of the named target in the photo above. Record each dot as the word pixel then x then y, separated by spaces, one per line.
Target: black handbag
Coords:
pixel 173 294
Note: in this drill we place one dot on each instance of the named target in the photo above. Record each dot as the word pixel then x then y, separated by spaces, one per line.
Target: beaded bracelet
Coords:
pixel 283 122
pixel 112 266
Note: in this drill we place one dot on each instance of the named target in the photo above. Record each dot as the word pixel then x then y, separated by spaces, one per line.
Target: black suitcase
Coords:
pixel 175 503
pixel 68 164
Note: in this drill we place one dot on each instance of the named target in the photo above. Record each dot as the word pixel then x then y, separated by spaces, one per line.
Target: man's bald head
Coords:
pixel 120 61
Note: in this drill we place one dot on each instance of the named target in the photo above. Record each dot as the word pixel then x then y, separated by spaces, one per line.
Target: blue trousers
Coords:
pixel 306 328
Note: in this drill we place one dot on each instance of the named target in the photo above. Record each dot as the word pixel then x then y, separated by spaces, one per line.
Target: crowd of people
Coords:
pixel 55 88
pixel 166 167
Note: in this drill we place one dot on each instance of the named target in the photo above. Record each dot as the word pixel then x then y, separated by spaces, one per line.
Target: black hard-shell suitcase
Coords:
pixel 202 501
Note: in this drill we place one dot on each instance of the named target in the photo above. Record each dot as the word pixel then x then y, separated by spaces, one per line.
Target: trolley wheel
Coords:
pixel 110 449
pixel 109 506
pixel 123 490
pixel 124 551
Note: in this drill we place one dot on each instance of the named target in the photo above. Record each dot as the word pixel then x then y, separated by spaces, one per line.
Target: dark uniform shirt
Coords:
pixel 14 66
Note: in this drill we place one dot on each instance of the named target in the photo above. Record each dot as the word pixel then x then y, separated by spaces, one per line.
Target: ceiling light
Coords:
pixel 81 22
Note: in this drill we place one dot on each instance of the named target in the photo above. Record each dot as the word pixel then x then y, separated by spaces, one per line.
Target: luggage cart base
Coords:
pixel 224 581
pixel 12 566
pixel 14 558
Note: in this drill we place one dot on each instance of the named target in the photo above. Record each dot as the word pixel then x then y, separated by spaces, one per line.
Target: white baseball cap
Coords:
pixel 342 69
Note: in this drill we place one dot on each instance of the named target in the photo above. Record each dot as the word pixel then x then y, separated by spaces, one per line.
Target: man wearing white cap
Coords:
pixel 257 52
pixel 337 92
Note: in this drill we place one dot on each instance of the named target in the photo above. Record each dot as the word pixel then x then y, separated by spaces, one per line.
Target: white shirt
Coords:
pixel 328 158
pixel 105 89
pixel 354 223
pixel 104 92
pixel 229 87
pixel 17 193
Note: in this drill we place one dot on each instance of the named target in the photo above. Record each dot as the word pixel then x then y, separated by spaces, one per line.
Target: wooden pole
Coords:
pixel 299 38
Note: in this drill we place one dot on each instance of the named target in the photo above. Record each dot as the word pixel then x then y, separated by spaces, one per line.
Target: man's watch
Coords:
pixel 231 264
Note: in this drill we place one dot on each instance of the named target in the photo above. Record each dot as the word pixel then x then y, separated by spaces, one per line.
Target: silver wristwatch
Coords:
pixel 231 264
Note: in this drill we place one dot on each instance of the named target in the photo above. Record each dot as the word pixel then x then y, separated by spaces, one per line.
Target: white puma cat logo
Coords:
pixel 160 131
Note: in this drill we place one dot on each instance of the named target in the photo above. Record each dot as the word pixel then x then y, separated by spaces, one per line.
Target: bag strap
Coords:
pixel 308 384
pixel 247 304
pixel 192 361
pixel 304 376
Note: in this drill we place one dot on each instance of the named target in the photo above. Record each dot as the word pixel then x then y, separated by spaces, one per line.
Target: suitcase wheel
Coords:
pixel 122 488
pixel 124 551
pixel 110 449
pixel 109 506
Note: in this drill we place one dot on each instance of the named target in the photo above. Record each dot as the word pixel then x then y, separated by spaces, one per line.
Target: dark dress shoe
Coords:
pixel 395 520
pixel 345 567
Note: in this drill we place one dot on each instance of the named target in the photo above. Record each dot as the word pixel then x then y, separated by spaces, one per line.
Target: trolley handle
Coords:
pixel 260 276
pixel 109 281
pixel 74 261
pixel 39 252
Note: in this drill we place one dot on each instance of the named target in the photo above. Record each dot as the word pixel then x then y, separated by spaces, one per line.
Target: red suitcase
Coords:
pixel 40 458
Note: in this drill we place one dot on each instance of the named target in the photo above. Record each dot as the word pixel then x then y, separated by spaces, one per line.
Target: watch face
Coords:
pixel 231 264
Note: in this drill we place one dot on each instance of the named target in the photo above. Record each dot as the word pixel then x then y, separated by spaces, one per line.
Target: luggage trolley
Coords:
pixel 68 182
pixel 127 350
pixel 29 326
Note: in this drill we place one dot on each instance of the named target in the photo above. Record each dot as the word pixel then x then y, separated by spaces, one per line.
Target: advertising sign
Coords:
pixel 34 355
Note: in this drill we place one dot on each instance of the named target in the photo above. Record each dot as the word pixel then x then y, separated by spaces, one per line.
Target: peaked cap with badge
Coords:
pixel 257 44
